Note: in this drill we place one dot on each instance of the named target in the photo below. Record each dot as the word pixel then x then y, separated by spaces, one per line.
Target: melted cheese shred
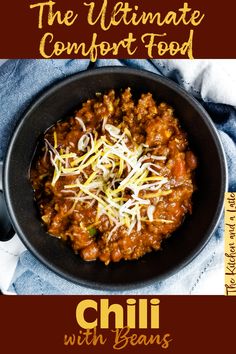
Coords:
pixel 119 177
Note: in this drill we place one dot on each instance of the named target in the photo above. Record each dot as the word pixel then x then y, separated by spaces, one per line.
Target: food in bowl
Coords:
pixel 116 178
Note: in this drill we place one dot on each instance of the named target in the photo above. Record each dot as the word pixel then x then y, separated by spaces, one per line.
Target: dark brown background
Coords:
pixel 198 324
pixel 37 324
pixel 213 38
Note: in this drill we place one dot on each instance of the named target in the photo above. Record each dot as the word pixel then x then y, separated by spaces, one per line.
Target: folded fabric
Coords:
pixel 211 82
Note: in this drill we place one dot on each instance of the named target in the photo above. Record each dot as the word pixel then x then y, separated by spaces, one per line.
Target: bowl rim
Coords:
pixel 43 95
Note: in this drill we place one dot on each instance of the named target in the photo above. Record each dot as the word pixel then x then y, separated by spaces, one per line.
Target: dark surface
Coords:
pixel 183 246
pixel 6 230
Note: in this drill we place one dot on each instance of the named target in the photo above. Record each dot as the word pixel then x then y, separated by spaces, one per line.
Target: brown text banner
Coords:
pixel 98 324
pixel 122 29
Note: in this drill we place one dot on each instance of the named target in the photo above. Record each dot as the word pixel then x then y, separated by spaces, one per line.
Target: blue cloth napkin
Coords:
pixel 20 82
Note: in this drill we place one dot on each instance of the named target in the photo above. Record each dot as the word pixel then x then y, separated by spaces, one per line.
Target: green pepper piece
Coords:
pixel 92 231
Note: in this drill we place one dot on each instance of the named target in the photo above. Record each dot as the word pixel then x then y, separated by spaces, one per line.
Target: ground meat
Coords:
pixel 89 219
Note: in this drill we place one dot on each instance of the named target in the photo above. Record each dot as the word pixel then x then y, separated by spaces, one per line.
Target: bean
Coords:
pixel 116 255
pixel 191 160
pixel 90 253
pixel 179 169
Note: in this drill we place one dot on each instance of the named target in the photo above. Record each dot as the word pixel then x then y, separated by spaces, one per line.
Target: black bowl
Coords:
pixel 182 246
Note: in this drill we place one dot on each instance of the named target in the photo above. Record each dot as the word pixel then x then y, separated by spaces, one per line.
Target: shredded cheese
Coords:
pixel 55 140
pixel 103 161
